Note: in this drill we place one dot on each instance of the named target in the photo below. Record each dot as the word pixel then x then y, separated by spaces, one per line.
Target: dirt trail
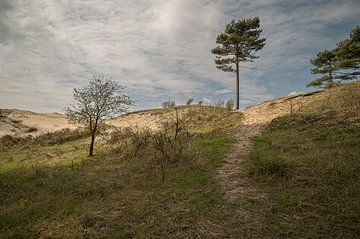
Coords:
pixel 231 174
pixel 232 177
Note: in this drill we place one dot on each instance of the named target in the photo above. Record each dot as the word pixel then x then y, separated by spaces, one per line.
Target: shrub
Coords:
pixel 61 136
pixel 189 101
pixel 51 138
pixel 168 104
pixel 170 146
pixel 130 142
pixel 8 141
pixel 230 104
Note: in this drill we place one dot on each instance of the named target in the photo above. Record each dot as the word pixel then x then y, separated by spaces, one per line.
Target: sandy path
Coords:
pixel 231 174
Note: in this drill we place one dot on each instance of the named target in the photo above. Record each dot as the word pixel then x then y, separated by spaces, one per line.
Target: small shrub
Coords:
pixel 229 104
pixel 8 141
pixel 161 150
pixel 189 101
pixel 57 137
pixel 60 136
pixel 130 142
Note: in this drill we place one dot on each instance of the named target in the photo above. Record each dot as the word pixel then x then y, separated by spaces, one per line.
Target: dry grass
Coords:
pixel 307 164
pixel 143 184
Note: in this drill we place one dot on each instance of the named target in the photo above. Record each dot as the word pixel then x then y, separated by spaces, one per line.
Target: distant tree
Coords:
pixel 230 104
pixel 189 101
pixel 165 104
pixel 220 103
pixel 324 64
pixel 348 55
pixel 201 102
pixel 168 104
pixel 101 99
pixel 238 43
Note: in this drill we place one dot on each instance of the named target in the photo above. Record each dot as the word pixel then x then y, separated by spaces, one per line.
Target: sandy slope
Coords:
pixel 20 122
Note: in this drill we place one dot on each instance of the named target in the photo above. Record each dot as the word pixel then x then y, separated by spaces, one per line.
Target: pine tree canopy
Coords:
pixel 348 54
pixel 339 64
pixel 238 43
pixel 348 51
pixel 324 64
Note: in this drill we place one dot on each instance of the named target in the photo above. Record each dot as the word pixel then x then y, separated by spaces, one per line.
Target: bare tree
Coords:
pixel 101 99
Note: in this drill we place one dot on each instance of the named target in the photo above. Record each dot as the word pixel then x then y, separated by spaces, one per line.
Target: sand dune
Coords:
pixel 22 123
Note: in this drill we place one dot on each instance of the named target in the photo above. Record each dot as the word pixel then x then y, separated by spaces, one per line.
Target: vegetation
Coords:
pixel 189 101
pixel 139 184
pixel 168 104
pixel 348 54
pixel 307 165
pixel 8 142
pixel 230 104
pixel 324 64
pixel 100 100
pixel 237 44
pixel 339 64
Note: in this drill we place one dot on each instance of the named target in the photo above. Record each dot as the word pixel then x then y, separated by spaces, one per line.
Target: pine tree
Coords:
pixel 324 64
pixel 238 43
pixel 339 64
pixel 348 55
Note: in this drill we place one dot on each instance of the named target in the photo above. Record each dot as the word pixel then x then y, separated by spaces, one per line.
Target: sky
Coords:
pixel 159 49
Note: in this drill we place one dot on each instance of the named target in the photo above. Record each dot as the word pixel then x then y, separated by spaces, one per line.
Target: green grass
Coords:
pixel 308 166
pixel 67 195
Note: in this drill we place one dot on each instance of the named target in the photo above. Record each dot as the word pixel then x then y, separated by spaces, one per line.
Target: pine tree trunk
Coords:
pixel 237 87
pixel 92 145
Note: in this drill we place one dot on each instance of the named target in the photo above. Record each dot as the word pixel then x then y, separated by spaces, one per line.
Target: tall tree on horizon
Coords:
pixel 238 43
pixel 324 63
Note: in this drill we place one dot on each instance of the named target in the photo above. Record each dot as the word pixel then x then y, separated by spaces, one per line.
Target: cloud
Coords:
pixel 159 49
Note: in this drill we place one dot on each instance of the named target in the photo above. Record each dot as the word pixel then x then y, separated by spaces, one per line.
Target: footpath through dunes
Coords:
pixel 231 174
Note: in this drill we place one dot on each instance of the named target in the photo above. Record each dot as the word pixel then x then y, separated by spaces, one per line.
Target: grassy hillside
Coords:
pixel 307 164
pixel 50 189
pixel 301 179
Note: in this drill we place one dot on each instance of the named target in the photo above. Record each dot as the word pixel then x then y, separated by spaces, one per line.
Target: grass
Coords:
pixel 205 120
pixel 55 191
pixel 305 168
pixel 308 166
